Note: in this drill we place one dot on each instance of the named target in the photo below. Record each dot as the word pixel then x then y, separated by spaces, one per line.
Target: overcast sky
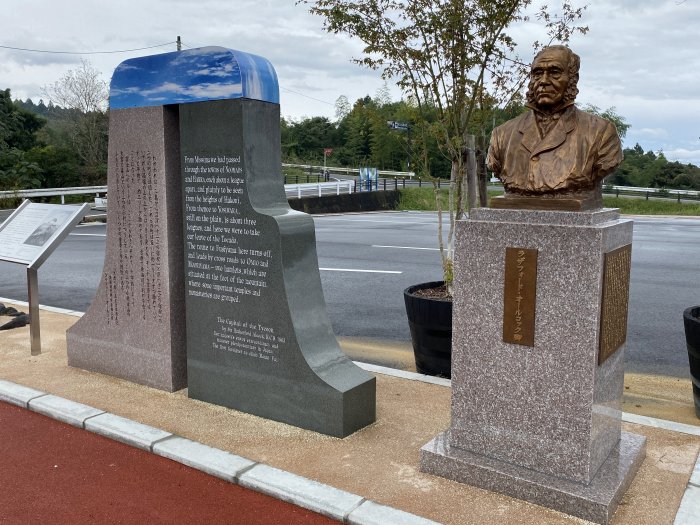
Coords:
pixel 641 56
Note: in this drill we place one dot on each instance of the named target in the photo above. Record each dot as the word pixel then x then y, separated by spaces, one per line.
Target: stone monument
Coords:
pixel 135 326
pixel 540 315
pixel 258 338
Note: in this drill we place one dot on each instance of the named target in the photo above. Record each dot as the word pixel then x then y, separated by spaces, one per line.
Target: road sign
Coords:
pixel 402 126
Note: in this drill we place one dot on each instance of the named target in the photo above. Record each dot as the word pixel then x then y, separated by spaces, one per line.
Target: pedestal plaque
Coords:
pixel 258 336
pixel 540 423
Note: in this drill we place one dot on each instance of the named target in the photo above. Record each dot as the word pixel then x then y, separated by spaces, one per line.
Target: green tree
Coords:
pixel 83 91
pixel 358 139
pixel 18 127
pixel 611 115
pixel 306 139
pixel 17 172
pixel 18 133
pixel 453 58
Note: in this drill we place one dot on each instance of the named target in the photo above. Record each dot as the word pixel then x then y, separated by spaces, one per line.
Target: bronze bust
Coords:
pixel 555 155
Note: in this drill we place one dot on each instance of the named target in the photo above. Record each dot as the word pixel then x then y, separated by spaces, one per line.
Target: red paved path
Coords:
pixel 54 473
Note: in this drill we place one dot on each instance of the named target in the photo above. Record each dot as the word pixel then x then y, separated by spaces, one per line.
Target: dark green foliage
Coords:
pixel 16 171
pixel 18 127
pixel 59 165
pixel 649 170
pixel 362 137
pixel 49 146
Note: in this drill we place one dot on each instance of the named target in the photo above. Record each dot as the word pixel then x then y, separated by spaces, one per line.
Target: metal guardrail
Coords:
pixel 337 187
pixel 693 193
pixel 332 170
pixel 319 189
pixel 292 190
pixel 54 192
pixel 656 193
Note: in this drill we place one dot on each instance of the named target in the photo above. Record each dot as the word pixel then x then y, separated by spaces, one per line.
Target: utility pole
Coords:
pixel 179 43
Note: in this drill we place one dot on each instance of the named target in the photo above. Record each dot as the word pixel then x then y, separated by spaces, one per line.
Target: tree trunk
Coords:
pixel 472 178
pixel 483 178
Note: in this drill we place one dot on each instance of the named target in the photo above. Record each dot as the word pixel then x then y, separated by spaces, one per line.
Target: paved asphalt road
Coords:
pixel 396 250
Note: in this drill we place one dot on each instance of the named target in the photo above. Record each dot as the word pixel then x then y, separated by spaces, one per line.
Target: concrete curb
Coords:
pixel 335 503
pixel 17 394
pixel 53 309
pixel 126 431
pixel 307 493
pixel 213 461
pixel 63 410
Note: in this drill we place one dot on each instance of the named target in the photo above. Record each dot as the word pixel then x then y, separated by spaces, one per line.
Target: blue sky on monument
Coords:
pixel 641 56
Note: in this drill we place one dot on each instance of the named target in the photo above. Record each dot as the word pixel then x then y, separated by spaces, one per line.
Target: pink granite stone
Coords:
pixel 134 328
pixel 550 408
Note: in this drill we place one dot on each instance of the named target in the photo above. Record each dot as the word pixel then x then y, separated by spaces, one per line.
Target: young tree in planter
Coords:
pixel 453 59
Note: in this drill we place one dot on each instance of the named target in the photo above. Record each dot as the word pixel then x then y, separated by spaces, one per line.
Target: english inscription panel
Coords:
pixel 258 335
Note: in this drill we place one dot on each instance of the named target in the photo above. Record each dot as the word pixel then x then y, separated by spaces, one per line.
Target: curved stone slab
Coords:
pixel 258 335
pixel 194 75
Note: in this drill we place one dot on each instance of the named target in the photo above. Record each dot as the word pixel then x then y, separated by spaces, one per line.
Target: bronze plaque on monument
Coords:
pixel 613 309
pixel 519 294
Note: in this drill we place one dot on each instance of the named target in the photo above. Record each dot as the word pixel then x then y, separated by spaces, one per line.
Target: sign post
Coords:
pixel 28 237
pixel 326 152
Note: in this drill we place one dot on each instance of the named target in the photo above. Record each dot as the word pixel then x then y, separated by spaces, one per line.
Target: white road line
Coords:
pixel 360 271
pixel 90 234
pixel 370 220
pixel 405 247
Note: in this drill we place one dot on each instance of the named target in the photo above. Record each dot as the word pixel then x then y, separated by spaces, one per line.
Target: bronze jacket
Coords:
pixel 577 152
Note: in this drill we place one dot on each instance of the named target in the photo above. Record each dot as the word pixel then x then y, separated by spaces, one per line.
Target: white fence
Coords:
pixel 332 170
pixel 292 190
pixel 661 191
pixel 53 192
pixel 319 189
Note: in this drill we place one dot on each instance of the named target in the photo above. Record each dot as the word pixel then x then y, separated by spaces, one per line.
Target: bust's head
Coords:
pixel 553 79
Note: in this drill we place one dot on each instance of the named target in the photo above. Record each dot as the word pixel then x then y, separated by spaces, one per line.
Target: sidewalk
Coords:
pixel 379 464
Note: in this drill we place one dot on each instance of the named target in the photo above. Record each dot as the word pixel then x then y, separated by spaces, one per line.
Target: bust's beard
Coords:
pixel 568 100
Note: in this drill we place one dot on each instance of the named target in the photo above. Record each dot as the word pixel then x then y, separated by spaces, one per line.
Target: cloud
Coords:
pixel 652 133
pixel 684 156
pixel 639 56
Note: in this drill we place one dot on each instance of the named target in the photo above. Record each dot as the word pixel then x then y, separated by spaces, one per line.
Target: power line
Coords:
pixel 85 52
pixel 307 96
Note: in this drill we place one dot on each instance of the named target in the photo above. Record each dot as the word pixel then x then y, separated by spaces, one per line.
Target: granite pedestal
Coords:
pixel 134 328
pixel 539 422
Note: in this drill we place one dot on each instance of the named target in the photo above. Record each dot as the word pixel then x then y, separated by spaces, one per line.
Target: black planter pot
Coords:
pixel 692 339
pixel 430 321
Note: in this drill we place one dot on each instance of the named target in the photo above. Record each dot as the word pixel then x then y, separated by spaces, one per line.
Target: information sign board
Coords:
pixel 28 237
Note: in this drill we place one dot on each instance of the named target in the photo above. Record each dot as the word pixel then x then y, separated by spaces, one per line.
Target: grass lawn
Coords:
pixel 424 199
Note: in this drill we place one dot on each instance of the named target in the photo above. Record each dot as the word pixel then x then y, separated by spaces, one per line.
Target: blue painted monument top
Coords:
pixel 194 75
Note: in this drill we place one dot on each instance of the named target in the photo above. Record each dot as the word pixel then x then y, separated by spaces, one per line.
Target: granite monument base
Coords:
pixel 539 324
pixel 595 501
pixel 134 328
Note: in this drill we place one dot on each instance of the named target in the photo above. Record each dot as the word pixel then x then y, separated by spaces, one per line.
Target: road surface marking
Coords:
pixel 360 271
pixel 404 247
pixel 371 220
